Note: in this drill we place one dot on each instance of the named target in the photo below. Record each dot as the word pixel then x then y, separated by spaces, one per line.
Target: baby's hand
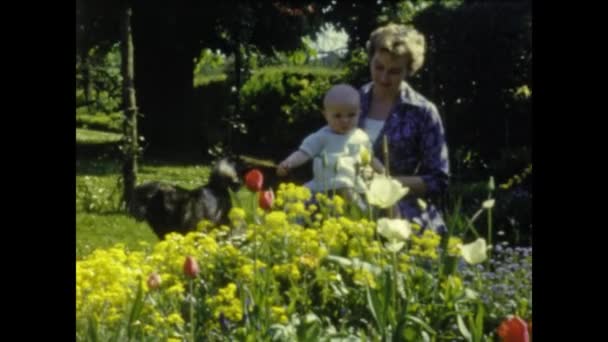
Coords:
pixel 367 172
pixel 282 169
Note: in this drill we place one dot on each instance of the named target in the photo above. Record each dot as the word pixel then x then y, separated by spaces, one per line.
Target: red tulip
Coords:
pixel 514 329
pixel 265 199
pixel 191 267
pixel 254 180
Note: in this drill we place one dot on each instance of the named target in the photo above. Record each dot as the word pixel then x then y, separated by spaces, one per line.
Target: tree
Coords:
pixel 169 37
pixel 130 146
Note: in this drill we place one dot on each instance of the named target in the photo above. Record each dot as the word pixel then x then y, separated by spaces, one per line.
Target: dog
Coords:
pixel 169 208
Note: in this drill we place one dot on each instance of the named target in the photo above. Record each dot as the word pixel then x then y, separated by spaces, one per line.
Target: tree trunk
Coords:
pixel 130 149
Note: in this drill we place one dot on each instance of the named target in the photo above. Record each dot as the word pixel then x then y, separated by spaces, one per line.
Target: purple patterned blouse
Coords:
pixel 417 147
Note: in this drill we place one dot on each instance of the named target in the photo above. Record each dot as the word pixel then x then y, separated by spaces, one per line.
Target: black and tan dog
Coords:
pixel 169 208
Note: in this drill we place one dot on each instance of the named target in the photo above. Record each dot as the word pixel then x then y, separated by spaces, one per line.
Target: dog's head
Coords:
pixel 224 176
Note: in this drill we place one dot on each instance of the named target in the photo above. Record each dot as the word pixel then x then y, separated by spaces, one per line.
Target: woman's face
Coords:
pixel 387 72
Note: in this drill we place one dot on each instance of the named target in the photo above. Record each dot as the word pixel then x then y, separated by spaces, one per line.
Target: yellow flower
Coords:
pixel 177 288
pixel 279 314
pixel 225 302
pixel 246 271
pixel 364 278
pixel 276 220
pixel 426 245
pixel 303 194
pixel 454 244
pixel 404 262
pixel 175 318
pixel 309 261
pixel 365 156
pixel 453 283
pixel 236 215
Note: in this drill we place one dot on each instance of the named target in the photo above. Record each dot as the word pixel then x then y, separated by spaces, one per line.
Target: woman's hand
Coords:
pixel 415 183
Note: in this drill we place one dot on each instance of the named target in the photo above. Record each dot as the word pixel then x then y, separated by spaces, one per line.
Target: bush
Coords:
pixel 100 72
pixel 280 105
pixel 106 122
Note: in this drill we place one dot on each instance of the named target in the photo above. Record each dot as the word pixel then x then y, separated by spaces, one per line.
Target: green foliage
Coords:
pixel 357 64
pixel 95 230
pixel 298 57
pixel 100 72
pixel 281 104
pixel 203 80
pixel 111 122
pixel 209 67
pixel 87 136
pixel 405 11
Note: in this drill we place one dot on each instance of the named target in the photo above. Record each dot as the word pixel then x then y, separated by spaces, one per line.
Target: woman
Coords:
pixel 418 154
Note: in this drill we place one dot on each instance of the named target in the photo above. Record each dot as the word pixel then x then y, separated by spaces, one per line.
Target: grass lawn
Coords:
pixel 99 220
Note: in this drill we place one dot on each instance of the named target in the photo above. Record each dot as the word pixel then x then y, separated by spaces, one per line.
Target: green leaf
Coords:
pixel 410 334
pixel 479 322
pixel 374 306
pixel 138 305
pixel 422 324
pixel 92 329
pixel 389 289
pixel 400 328
pixel 234 200
pixel 463 328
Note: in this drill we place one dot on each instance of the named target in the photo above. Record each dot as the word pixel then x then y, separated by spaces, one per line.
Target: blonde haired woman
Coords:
pixel 418 154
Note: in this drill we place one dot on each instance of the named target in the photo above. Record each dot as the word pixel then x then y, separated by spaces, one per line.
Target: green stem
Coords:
pixel 255 242
pixel 489 237
pixel 192 323
pixel 395 283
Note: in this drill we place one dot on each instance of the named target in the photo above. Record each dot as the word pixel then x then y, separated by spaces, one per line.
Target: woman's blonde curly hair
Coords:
pixel 399 40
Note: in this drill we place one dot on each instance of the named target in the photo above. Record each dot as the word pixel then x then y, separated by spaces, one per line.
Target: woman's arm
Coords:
pixel 432 177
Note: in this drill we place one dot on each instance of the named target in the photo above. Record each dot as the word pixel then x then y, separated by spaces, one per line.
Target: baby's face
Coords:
pixel 341 117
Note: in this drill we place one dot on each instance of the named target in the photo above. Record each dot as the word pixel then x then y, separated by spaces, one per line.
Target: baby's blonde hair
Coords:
pixel 399 40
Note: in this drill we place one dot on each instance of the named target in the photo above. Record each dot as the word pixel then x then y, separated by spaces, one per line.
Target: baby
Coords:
pixel 340 149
